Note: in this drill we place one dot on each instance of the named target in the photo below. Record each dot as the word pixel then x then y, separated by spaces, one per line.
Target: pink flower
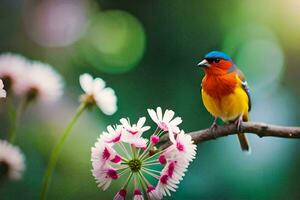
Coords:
pixel 31 79
pixel 165 121
pixel 41 82
pixel 113 135
pixel 12 161
pixel 137 195
pixel 121 195
pixel 154 139
pixel 135 129
pixel 152 193
pixel 134 132
pixel 182 147
pixel 159 172
pixel 12 69
pixel 104 176
pixel 103 153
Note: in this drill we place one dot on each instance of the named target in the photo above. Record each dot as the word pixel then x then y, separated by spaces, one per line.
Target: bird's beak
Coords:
pixel 203 63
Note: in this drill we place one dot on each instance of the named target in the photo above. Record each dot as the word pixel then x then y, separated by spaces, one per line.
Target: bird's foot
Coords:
pixel 238 123
pixel 213 128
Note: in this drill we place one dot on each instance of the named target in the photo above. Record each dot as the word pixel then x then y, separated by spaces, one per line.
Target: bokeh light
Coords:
pixel 56 23
pixel 288 24
pixel 256 51
pixel 262 57
pixel 115 41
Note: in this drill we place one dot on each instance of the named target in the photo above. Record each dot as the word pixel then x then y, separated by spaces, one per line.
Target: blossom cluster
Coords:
pixel 31 79
pixel 122 153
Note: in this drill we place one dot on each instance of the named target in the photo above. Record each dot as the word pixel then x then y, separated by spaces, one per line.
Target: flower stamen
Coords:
pixel 135 165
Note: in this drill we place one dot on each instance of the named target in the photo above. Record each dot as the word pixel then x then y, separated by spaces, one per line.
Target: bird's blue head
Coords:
pixel 216 62
pixel 217 55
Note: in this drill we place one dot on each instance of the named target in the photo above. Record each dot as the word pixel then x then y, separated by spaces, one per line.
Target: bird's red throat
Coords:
pixel 218 86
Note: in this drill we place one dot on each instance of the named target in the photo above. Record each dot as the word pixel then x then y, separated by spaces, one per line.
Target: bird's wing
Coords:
pixel 245 86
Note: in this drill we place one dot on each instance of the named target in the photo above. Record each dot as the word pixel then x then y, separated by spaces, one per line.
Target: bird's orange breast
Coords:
pixel 219 86
pixel 224 97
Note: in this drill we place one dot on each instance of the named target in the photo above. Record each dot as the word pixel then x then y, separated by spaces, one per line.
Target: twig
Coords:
pixel 257 128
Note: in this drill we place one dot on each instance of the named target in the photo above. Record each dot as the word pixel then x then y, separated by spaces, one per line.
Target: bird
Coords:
pixel 225 92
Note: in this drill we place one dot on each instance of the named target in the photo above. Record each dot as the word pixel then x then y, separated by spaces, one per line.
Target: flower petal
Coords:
pixel 110 129
pixel 145 128
pixel 171 135
pixel 2 93
pixel 86 82
pixel 159 113
pixel 169 114
pixel 106 101
pixel 176 121
pixel 125 122
pixel 98 85
pixel 153 115
pixel 141 122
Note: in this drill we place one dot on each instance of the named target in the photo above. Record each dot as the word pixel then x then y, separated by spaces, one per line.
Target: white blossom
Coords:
pixel 97 93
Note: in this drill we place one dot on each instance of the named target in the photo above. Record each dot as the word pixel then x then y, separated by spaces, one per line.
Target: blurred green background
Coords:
pixel 147 51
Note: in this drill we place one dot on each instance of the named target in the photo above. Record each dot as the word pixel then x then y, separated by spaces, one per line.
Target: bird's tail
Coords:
pixel 243 142
pixel 242 137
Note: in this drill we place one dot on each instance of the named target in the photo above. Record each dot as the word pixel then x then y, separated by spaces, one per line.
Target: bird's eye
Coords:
pixel 209 60
pixel 217 60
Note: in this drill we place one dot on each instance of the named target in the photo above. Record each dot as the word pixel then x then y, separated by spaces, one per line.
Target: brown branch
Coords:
pixel 257 128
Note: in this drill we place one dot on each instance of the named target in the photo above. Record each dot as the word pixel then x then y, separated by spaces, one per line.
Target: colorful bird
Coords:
pixel 225 92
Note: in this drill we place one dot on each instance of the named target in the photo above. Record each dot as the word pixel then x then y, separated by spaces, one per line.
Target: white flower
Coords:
pixel 166 120
pixel 96 92
pixel 42 82
pixel 12 69
pixel 11 161
pixel 2 91
pixel 134 132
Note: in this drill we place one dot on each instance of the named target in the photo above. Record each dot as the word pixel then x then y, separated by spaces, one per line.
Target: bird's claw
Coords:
pixel 213 128
pixel 238 124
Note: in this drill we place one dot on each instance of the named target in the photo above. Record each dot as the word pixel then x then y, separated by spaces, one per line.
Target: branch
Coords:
pixel 257 128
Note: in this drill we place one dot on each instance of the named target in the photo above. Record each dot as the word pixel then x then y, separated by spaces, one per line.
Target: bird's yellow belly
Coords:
pixel 228 107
